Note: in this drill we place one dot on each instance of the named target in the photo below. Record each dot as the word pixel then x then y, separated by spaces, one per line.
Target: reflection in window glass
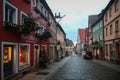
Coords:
pixel 24 55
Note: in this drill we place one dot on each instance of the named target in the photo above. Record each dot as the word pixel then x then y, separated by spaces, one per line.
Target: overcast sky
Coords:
pixel 77 12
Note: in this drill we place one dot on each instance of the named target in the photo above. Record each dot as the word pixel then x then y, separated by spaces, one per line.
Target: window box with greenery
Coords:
pixel 11 27
pixel 38 35
pixel 46 35
pixel 29 26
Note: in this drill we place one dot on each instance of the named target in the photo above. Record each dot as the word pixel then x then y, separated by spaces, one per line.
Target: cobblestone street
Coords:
pixel 79 69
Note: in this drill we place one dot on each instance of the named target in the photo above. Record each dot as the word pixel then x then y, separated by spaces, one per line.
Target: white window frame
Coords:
pixel 15 64
pixel 42 9
pixel 15 21
pixel 22 13
pixel 35 3
pixel 41 30
pixel 21 44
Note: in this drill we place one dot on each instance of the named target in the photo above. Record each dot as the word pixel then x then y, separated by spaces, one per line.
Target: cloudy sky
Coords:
pixel 77 12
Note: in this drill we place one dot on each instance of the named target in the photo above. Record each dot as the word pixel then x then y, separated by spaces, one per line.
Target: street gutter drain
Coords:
pixel 42 73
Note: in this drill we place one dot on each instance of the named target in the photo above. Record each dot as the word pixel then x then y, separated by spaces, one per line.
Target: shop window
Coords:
pixel 24 56
pixel 7 54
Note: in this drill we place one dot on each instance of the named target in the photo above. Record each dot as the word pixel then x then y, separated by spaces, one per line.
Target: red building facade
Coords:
pixel 20 52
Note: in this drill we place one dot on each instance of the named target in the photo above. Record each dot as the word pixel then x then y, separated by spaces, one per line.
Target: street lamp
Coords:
pixel 58 16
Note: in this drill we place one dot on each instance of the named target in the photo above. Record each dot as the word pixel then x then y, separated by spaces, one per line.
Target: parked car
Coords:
pixel 87 55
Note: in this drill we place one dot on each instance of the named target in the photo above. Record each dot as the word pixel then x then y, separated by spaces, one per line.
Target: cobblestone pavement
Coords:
pixel 79 69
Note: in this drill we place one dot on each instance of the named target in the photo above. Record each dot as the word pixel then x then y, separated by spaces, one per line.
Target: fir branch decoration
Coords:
pixel 27 1
pixel 11 27
pixel 46 35
pixel 29 26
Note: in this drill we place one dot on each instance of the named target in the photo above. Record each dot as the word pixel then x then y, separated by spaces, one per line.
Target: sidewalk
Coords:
pixel 44 74
pixel 108 64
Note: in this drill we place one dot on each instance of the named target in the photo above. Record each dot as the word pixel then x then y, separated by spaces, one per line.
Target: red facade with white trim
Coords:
pixel 18 51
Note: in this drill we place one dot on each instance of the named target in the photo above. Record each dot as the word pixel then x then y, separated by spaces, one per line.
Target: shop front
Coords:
pixel 24 56
pixel 17 57
pixel 9 59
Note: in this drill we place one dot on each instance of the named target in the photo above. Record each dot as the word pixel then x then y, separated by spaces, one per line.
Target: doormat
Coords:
pixel 42 73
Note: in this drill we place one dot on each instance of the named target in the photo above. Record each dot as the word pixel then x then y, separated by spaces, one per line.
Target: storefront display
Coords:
pixel 24 55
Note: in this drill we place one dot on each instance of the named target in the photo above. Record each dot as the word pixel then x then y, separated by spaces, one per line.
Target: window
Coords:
pixel 111 29
pixel 46 14
pixel 105 16
pixel 41 30
pixel 42 10
pixel 101 36
pixel 23 16
pixel 36 3
pixel 10 13
pixel 106 31
pixel 116 5
pixel 24 55
pixel 110 12
pixel 117 26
